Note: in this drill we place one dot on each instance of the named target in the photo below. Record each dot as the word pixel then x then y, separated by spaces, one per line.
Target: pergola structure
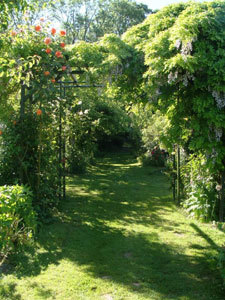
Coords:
pixel 62 87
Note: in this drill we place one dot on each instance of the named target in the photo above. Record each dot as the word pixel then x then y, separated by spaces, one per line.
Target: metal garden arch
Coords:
pixel 62 87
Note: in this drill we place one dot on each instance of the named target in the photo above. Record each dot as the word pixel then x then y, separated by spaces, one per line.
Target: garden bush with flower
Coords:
pixel 155 157
pixel 35 57
pixel 38 57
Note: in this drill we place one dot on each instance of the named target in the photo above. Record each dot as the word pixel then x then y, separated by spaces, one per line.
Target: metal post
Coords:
pixel 222 202
pixel 22 112
pixel 22 101
pixel 178 174
pixel 62 139
pixel 64 170
pixel 64 153
pixel 30 101
pixel 174 174
pixel 60 143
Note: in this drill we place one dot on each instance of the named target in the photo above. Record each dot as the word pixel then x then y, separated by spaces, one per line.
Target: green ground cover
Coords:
pixel 117 236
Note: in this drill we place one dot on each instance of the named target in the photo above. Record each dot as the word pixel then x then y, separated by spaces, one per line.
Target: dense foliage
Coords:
pixel 17 217
pixel 162 81
pixel 176 78
pixel 29 120
pixel 35 110
pixel 95 125
pixel 200 188
pixel 183 48
pixel 7 8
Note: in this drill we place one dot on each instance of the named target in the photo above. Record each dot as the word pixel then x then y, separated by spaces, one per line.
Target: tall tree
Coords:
pixel 117 16
pixel 7 8
pixel 76 17
pixel 31 13
pixel 88 20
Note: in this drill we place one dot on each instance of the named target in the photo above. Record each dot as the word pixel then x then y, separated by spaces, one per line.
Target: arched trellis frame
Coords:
pixel 63 86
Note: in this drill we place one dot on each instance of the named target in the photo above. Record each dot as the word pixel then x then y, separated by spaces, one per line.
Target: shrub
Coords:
pixel 201 196
pixel 155 157
pixel 29 157
pixel 96 126
pixel 17 218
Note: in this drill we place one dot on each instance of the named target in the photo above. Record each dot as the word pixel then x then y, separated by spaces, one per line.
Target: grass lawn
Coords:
pixel 117 236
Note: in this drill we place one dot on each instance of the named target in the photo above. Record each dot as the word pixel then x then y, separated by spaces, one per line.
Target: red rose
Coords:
pixel 48 50
pixel 62 32
pixel 37 28
pixel 13 33
pixel 53 31
pixel 47 41
pixel 39 112
pixel 58 54
pixel 62 45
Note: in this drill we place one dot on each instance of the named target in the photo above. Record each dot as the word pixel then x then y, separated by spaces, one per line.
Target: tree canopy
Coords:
pixel 88 20
pixel 183 45
pixel 7 7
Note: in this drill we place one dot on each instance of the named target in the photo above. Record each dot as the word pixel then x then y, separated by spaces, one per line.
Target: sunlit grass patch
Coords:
pixel 118 235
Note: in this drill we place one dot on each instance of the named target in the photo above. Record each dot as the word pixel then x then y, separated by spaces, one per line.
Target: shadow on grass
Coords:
pixel 8 291
pixel 41 292
pixel 90 229
pixel 211 243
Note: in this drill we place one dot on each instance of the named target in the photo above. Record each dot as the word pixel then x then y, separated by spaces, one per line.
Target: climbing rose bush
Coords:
pixel 29 143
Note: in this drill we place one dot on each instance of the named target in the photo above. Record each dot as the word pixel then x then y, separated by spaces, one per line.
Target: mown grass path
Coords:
pixel 117 236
